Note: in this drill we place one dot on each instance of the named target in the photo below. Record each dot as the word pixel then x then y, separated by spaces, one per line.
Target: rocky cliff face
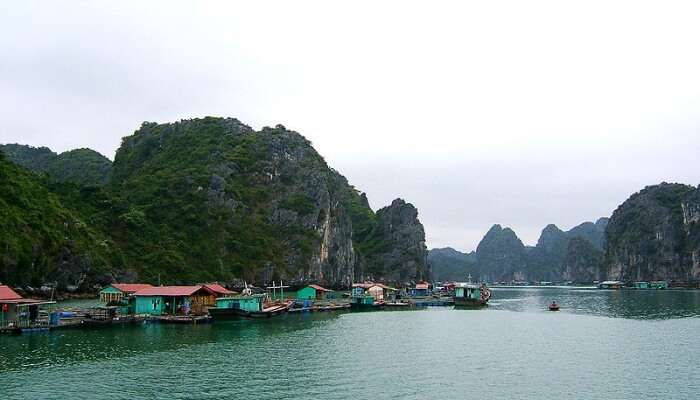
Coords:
pixel 655 234
pixel 268 204
pixel 558 256
pixel 213 199
pixel 554 254
pixel 583 261
pixel 501 256
pixel 41 239
pixel 448 264
pixel 405 257
pixel 592 232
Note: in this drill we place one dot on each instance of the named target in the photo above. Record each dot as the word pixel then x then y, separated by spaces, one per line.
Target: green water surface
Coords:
pixel 602 345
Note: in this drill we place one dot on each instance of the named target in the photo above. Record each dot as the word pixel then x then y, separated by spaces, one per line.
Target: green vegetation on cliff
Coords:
pixel 212 199
pixel 655 235
pixel 40 237
pixel 79 166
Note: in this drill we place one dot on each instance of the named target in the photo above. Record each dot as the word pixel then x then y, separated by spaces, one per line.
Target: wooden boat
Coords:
pixel 553 307
pixel 365 303
pixel 471 295
pixel 251 306
pixel 99 316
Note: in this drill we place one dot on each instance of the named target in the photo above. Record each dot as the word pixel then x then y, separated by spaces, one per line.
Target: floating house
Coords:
pixel 610 285
pixel 174 300
pixel 18 312
pixel 379 291
pixel 470 294
pixel 219 291
pixel 658 285
pixel 421 289
pixel 314 292
pixel 114 293
pixel 641 285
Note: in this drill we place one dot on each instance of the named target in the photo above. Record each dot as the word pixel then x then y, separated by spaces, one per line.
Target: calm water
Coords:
pixel 602 345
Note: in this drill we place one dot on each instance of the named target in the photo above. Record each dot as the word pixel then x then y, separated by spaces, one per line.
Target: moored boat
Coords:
pixel 248 306
pixel 471 295
pixel 370 296
pixel 364 302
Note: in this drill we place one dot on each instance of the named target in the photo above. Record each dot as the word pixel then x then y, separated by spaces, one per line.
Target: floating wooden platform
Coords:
pixel 181 319
pixel 330 307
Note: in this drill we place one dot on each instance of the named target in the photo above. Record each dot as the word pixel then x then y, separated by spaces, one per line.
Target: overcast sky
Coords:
pixel 518 113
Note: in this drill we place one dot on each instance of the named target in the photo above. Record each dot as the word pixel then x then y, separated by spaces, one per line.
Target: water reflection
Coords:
pixel 76 345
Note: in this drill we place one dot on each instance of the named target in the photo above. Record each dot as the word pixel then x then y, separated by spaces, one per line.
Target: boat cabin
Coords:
pixel 378 291
pixel 610 285
pixel 658 285
pixel 421 289
pixel 467 291
pixel 174 300
pixel 641 285
pixel 252 303
pixel 314 292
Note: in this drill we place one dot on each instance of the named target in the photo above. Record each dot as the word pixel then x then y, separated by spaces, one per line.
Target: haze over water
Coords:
pixel 602 345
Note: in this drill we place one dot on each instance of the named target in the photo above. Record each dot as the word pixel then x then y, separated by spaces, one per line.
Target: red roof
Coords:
pixel 320 288
pixel 131 287
pixel 6 293
pixel 171 291
pixel 421 286
pixel 218 289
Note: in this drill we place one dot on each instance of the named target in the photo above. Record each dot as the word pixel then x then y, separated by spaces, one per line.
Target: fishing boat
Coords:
pixel 365 303
pixel 369 296
pixel 554 306
pixel 471 294
pixel 250 306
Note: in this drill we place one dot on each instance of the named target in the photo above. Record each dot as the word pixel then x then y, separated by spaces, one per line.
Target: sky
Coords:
pixel 509 112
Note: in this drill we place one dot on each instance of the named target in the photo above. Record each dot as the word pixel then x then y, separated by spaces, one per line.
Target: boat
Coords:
pixel 554 306
pixel 248 306
pixel 471 294
pixel 610 285
pixel 365 302
pixel 99 316
pixel 370 296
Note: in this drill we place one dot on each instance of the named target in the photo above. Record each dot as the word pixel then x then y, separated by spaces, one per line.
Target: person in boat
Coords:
pixel 554 304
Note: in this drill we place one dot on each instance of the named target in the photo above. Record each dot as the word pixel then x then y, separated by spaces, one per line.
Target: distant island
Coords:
pixel 653 235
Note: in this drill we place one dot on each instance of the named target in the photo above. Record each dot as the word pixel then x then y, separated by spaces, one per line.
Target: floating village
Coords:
pixel 130 303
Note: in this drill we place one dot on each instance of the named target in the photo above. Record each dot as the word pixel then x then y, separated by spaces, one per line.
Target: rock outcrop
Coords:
pixel 212 199
pixel 41 239
pixel 448 264
pixel 655 235
pixel 79 166
pixel 405 257
pixel 583 261
pixel 501 256
pixel 573 255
